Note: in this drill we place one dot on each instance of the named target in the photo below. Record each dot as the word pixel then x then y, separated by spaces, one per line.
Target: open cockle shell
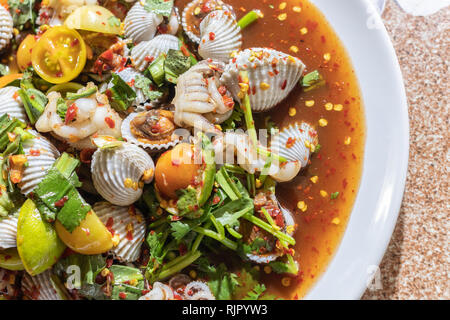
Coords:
pixel 140 24
pixel 146 52
pixel 198 290
pixel 220 36
pixel 11 104
pixel 160 291
pixel 41 154
pixel 129 76
pixel 198 8
pixel 6 27
pixel 119 173
pixel 163 143
pixel 272 75
pixel 125 223
pixel 289 227
pixel 42 287
pixel 8 232
pixel 295 143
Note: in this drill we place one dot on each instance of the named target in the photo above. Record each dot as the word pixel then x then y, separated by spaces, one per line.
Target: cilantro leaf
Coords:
pixel 234 120
pixel 162 7
pixel 256 293
pixel 230 213
pixel 155 242
pixel 179 230
pixel 203 265
pixel 22 12
pixel 258 245
pixel 334 195
pixel 222 283
pixel 90 267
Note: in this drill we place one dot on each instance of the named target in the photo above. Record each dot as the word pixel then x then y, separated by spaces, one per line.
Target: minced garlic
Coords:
pixel 310 103
pixel 338 107
pixel 302 206
pixel 329 106
pixel 282 17
pixel 292 112
pixel 336 221
pixel 347 141
pixel 323 193
pixel 323 122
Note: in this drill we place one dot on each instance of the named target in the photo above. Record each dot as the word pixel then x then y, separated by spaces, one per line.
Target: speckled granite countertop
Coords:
pixel 417 262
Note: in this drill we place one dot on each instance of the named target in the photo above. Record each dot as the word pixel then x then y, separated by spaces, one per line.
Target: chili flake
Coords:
pixel 110 122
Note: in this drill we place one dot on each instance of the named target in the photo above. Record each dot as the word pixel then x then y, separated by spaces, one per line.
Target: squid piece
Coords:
pixel 88 116
pixel 295 144
pixel 200 101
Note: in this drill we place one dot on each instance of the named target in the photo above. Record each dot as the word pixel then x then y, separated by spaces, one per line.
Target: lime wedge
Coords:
pixel 37 242
pixel 10 260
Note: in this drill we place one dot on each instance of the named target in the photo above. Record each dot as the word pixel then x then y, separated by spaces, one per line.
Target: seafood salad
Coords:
pixel 148 148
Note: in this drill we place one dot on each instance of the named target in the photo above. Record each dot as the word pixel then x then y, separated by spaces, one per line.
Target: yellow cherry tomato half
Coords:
pixel 90 237
pixel 93 18
pixel 176 169
pixel 59 55
pixel 24 52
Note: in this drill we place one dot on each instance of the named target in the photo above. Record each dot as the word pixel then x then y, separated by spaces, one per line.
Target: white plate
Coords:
pixel 386 153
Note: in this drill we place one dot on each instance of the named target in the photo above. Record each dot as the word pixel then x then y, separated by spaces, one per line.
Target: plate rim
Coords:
pixel 326 285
